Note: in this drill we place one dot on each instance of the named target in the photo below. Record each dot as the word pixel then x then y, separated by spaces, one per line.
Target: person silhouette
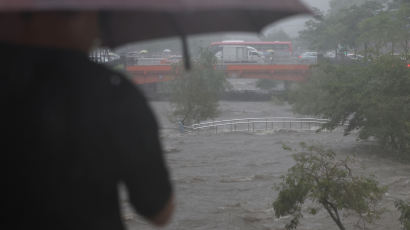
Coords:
pixel 74 130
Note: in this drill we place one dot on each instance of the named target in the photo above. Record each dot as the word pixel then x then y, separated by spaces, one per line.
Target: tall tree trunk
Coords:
pixel 340 225
pixel 334 215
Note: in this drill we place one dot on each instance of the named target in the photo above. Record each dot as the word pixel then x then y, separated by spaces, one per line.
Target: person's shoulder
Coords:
pixel 128 103
pixel 116 81
pixel 123 85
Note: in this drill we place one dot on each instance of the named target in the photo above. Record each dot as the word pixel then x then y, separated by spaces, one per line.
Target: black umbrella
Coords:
pixel 125 21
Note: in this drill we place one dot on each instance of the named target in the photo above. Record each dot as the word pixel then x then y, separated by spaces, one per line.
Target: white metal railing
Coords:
pixel 150 61
pixel 259 124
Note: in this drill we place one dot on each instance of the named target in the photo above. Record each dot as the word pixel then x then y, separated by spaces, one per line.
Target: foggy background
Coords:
pixel 291 25
pixel 294 24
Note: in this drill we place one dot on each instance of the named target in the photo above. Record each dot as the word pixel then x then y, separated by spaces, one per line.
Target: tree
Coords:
pixel 402 24
pixel 195 94
pixel 370 27
pixel 379 30
pixel 327 183
pixel 351 17
pixel 339 28
pixel 321 35
pixel 404 208
pixel 337 5
pixel 370 97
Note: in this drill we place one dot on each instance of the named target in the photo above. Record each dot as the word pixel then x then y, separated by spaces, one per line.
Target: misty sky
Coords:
pixel 294 24
pixel 321 4
pixel 290 25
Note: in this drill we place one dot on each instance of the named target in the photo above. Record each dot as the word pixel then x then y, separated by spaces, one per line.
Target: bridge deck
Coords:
pixel 145 74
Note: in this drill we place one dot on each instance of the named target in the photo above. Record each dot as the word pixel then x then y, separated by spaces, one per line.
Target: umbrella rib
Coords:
pixel 185 51
pixel 187 59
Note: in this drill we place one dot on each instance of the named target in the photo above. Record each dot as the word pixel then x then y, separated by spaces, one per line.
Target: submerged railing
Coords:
pixel 259 124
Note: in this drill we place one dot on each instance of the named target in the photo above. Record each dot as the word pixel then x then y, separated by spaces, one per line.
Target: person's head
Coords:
pixel 68 30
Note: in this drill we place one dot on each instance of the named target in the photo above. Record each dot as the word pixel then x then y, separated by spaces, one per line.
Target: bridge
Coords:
pixel 149 70
pixel 252 125
pixel 162 72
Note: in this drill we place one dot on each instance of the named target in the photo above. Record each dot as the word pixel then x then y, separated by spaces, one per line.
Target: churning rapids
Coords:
pixel 225 181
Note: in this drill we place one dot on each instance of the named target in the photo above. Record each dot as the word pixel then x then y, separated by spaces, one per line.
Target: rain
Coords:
pixel 193 114
pixel 225 167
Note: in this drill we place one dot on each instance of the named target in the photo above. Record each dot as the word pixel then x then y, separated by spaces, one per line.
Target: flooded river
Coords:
pixel 225 181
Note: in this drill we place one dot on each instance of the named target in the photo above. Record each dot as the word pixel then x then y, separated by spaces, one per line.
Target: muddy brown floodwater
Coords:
pixel 225 181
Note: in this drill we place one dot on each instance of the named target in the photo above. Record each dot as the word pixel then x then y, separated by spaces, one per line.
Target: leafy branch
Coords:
pixel 329 183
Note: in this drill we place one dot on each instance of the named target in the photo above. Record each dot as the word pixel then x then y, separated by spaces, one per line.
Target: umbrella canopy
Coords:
pixel 135 20
pixel 166 51
pixel 143 52
pixel 126 21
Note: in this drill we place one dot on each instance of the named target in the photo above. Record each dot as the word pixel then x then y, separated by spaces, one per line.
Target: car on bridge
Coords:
pixel 355 57
pixel 308 57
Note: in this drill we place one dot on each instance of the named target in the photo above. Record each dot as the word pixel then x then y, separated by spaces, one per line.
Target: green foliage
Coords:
pixel 327 183
pixel 378 31
pixel 337 5
pixel 370 97
pixel 286 147
pixel 404 208
pixel 195 94
pixel 367 27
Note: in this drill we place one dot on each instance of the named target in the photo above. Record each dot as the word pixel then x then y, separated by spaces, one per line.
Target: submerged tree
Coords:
pixel 327 183
pixel 195 94
pixel 404 208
